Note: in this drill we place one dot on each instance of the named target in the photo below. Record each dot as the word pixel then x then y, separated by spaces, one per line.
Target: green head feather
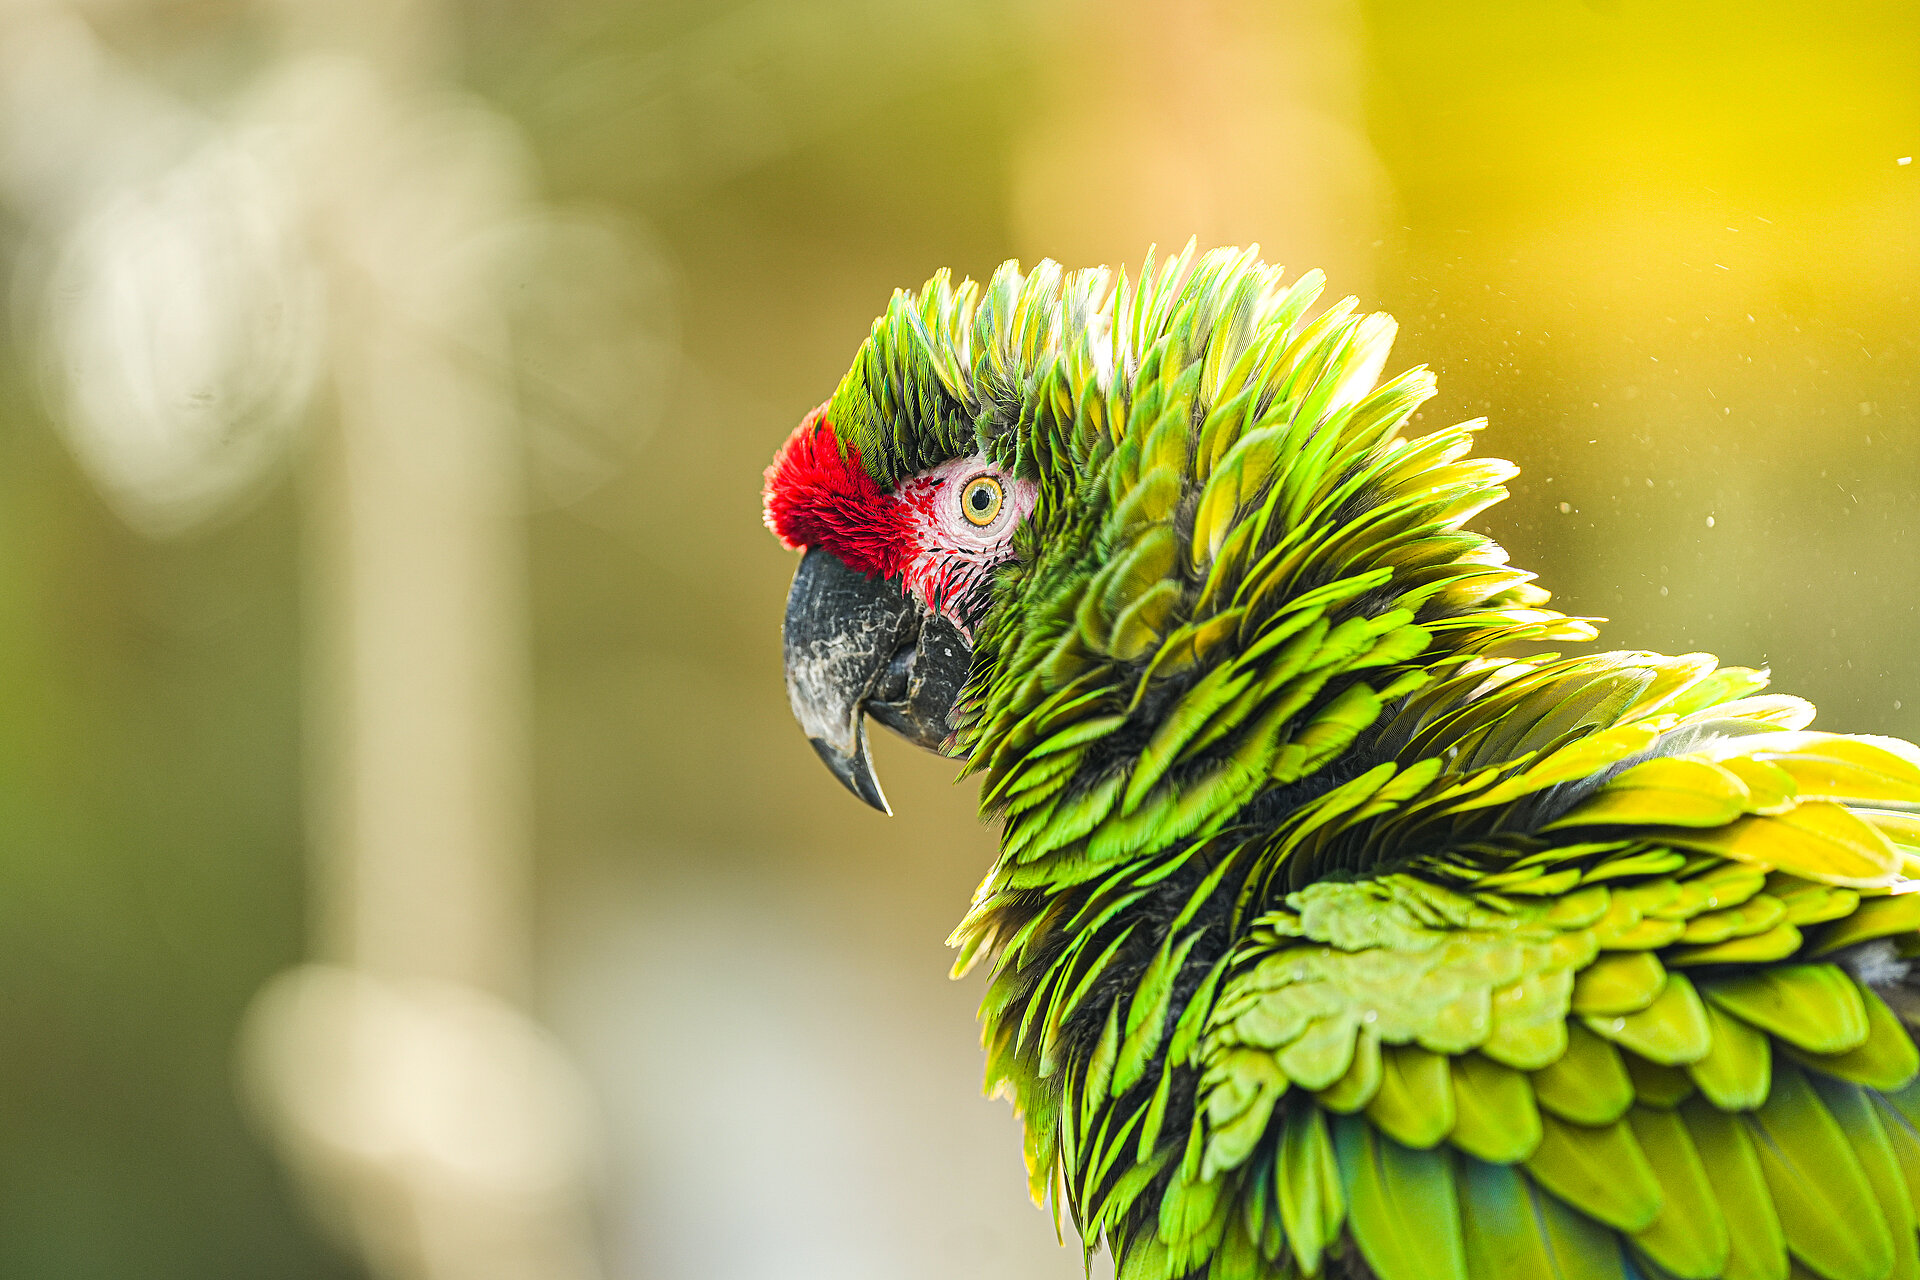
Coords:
pixel 1235 562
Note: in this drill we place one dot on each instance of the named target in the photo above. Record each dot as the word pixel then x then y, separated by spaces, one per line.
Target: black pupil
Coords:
pixel 981 498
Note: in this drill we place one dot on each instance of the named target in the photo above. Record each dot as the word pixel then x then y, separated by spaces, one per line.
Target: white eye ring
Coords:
pixel 981 500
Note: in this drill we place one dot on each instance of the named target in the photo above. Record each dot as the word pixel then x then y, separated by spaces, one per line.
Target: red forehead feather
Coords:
pixel 817 497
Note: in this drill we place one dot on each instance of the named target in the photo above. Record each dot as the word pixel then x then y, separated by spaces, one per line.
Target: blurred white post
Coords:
pixel 418 608
pixel 446 1130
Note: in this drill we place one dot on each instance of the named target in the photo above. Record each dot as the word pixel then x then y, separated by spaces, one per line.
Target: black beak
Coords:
pixel 857 645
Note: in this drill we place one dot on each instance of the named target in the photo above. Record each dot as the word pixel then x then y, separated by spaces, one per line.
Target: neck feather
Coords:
pixel 1235 568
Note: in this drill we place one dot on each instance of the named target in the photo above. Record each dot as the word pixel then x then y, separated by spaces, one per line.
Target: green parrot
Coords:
pixel 1337 930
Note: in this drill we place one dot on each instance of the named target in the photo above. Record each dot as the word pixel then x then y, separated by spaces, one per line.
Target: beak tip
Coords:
pixel 854 770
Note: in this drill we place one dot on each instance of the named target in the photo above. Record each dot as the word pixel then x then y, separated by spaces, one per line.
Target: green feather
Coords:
pixel 1818 841
pixel 1361 1084
pixel 1496 1118
pixel 1672 1030
pixel 1147 1012
pixel 1655 1085
pixel 1829 767
pixel 1860 1122
pixel 1875 918
pixel 1414 1104
pixel 1738 1068
pixel 1404 1209
pixel 1155 1117
pixel 1814 1006
pixel 1313 1202
pixel 1757 1245
pixel 1754 916
pixel 1904 1140
pixel 1599 1171
pixel 1588 1084
pixel 1100 1066
pixel 1689 1237
pixel 1809 903
pixel 1827 1209
pixel 1618 982
pixel 1886 1060
pixel 1776 943
pixel 1669 791
pixel 1322 1053
pixel 1513 1231
pixel 1529 1028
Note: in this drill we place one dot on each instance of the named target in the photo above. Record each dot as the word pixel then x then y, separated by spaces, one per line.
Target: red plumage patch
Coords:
pixel 818 497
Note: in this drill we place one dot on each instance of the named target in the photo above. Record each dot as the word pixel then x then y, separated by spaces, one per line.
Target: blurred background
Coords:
pixel 408 866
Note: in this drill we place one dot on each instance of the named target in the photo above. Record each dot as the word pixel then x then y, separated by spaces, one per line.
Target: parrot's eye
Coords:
pixel 980 500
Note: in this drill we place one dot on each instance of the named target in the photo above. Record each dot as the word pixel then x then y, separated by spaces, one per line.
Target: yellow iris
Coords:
pixel 980 500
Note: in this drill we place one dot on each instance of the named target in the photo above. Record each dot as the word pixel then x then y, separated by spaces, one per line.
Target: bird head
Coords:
pixel 897 575
pixel 913 492
pixel 1038 514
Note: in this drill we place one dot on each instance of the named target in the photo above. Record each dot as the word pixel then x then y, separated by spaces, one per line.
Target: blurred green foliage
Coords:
pixel 150 877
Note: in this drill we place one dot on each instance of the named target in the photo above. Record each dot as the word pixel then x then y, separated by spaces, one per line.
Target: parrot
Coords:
pixel 1349 918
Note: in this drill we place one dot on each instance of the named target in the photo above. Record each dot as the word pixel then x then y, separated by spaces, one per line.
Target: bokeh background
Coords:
pixel 407 864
